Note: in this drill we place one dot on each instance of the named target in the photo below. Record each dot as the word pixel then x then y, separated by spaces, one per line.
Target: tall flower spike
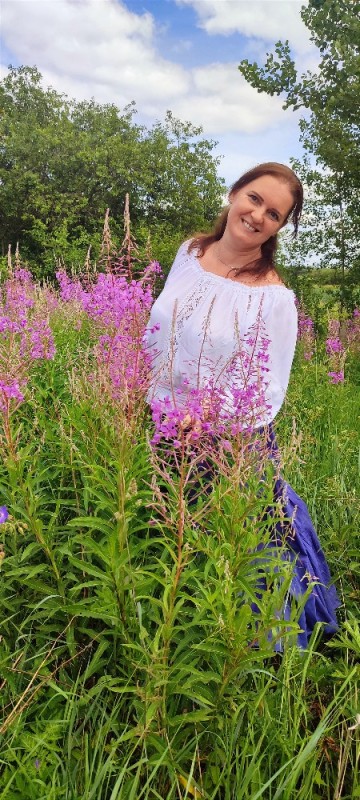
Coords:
pixel 107 250
pixel 17 257
pixel 129 252
pixel 336 352
pixel 9 261
pixel 306 333
pixel 25 337
pixel 118 310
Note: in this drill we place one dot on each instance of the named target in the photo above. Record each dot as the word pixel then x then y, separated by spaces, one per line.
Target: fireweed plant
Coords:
pixel 118 310
pixel 306 333
pixel 336 352
pixel 133 662
pixel 342 342
pixel 208 406
pixel 25 338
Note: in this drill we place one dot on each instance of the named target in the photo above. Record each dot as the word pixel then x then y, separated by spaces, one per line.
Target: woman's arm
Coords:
pixel 281 328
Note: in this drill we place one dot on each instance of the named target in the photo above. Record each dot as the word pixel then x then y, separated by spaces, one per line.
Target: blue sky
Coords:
pixel 180 55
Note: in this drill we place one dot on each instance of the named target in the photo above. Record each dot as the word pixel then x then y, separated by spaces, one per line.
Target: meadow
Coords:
pixel 132 663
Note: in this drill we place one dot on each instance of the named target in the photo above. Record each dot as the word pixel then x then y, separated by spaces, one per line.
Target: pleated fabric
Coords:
pixel 303 549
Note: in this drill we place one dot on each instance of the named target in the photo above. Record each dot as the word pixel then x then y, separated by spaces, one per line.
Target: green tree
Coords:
pixel 329 131
pixel 331 94
pixel 62 163
pixel 327 238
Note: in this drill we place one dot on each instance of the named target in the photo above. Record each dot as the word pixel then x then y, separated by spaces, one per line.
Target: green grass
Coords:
pixel 132 664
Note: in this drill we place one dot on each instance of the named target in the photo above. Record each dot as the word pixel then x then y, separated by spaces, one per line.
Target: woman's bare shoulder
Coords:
pixel 273 278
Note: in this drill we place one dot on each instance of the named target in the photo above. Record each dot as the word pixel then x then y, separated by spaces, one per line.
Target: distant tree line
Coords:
pixel 64 162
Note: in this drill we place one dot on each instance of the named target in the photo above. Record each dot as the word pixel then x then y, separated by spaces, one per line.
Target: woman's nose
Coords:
pixel 258 214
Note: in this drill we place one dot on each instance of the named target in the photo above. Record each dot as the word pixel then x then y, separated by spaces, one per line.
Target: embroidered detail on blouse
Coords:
pixel 181 313
pixel 184 258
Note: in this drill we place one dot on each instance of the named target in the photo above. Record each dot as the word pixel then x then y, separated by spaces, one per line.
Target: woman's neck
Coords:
pixel 230 256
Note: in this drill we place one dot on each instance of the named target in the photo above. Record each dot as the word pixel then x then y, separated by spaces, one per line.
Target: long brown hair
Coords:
pixel 201 241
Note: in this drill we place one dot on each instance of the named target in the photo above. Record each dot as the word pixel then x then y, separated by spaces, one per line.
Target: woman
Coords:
pixel 224 299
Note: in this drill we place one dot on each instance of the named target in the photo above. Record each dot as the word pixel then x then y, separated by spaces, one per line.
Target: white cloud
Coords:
pixel 95 42
pixel 100 49
pixel 222 101
pixel 270 20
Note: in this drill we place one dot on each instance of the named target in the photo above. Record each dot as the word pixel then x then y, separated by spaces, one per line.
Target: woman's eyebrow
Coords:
pixel 262 200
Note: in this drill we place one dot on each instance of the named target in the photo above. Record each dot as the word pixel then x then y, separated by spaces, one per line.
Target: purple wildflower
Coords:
pixel 118 308
pixel 306 334
pixel 10 391
pixel 333 345
pixel 233 404
pixel 25 336
pixel 337 349
pixel 336 377
pixel 3 514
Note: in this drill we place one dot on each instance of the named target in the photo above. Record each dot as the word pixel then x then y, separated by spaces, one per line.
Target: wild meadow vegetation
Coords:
pixel 142 651
pixel 133 663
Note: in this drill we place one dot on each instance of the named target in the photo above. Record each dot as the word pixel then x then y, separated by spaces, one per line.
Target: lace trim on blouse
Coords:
pixel 183 257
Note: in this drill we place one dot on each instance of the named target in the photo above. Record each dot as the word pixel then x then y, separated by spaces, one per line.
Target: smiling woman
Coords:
pixel 244 238
pixel 229 343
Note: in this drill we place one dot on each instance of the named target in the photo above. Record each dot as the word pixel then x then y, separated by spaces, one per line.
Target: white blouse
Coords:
pixel 200 321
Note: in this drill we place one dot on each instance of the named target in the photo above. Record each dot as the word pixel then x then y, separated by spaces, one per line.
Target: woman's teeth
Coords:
pixel 248 226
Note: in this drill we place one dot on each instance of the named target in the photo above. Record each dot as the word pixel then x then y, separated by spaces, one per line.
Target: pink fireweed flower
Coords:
pixel 306 333
pixel 37 341
pixel 336 377
pixel 25 336
pixel 209 412
pixel 10 391
pixel 42 343
pixel 118 308
pixel 334 328
pixel 336 351
pixel 111 302
pixel 69 290
pixel 226 406
pixel 49 299
pixel 150 272
pixel 333 345
pixel 18 296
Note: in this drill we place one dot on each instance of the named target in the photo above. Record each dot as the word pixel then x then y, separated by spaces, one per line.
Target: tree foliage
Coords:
pixel 329 131
pixel 331 94
pixel 327 238
pixel 63 162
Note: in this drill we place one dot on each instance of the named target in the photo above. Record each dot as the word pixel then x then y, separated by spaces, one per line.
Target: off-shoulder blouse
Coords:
pixel 200 321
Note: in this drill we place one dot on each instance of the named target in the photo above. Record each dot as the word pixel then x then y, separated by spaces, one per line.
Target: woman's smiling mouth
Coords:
pixel 249 227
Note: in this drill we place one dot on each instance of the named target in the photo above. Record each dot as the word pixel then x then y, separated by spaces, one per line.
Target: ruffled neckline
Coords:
pixel 243 287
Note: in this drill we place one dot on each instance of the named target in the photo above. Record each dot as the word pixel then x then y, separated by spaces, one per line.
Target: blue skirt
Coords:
pixel 309 564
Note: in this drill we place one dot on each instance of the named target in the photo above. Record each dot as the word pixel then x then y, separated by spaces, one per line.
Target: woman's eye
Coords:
pixel 253 197
pixel 274 216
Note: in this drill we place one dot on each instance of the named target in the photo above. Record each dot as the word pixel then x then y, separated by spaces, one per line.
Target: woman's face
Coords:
pixel 258 211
